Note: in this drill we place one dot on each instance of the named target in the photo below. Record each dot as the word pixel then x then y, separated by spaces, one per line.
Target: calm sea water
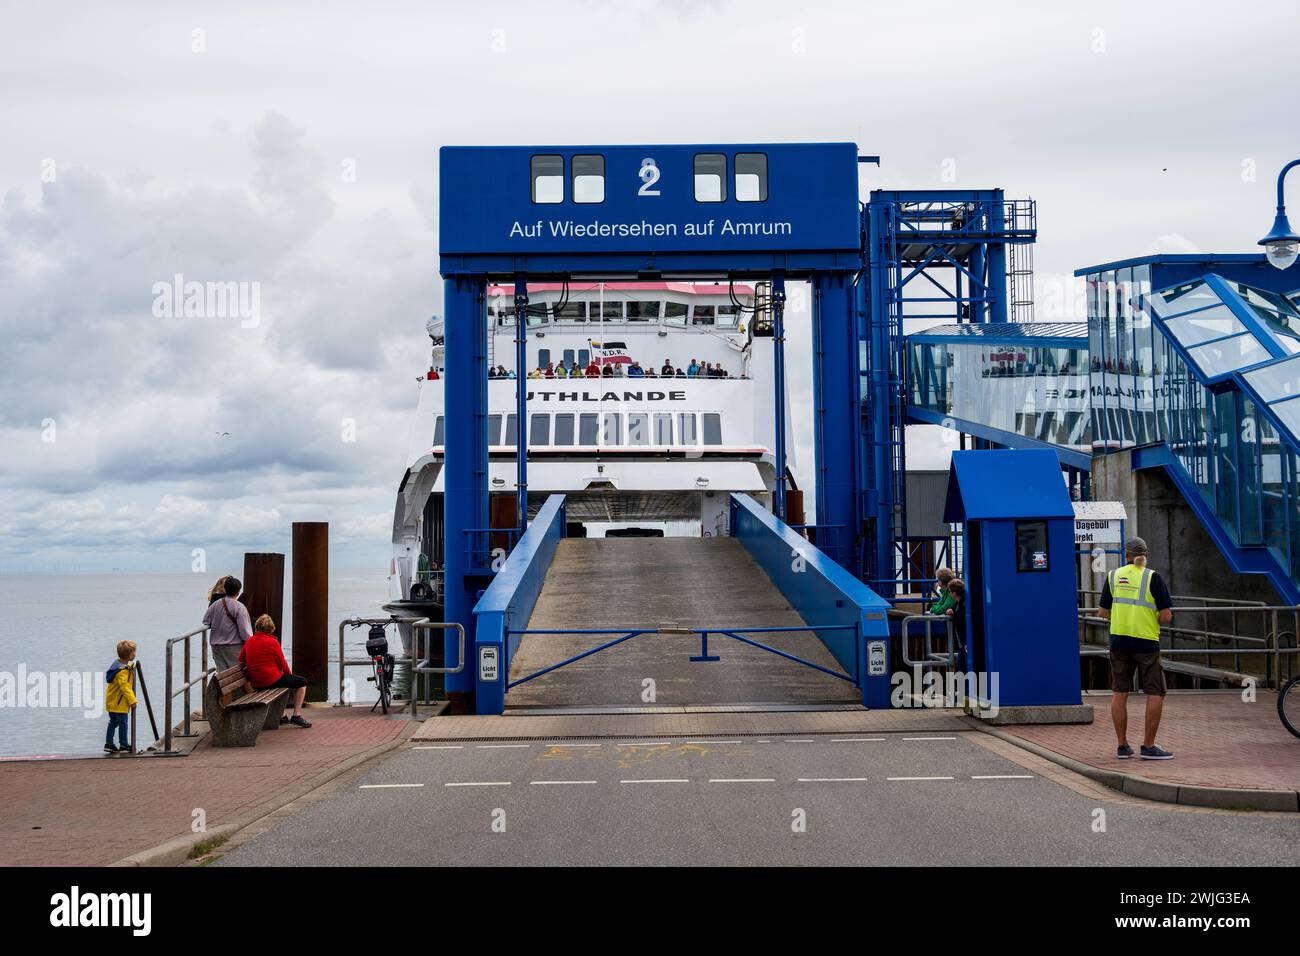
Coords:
pixel 52 624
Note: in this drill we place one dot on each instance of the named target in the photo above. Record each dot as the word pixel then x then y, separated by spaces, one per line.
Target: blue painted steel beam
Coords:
pixel 465 463
pixel 837 414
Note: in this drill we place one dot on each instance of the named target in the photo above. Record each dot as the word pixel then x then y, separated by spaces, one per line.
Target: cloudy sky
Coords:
pixel 296 149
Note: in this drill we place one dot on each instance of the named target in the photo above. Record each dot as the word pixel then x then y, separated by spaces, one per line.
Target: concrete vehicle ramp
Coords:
pixel 636 583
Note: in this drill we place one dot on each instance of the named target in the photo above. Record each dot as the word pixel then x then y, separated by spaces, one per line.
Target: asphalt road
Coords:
pixel 885 799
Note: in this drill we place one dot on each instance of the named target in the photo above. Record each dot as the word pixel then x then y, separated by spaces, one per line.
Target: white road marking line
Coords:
pixel 441 747
pixel 929 738
pixel 572 745
pixel 664 780
pixel 857 740
pixel 479 783
pixel 742 780
pixel 918 778
pixel 715 741
pixel 387 786
pixel 1004 776
pixel 499 746
pixel 798 740
pixel 557 783
pixel 644 743
pixel 832 780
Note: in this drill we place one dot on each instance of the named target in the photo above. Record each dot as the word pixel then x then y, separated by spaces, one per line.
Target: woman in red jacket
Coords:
pixel 266 667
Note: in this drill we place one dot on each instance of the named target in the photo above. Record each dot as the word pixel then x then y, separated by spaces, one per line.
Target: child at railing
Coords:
pixel 120 696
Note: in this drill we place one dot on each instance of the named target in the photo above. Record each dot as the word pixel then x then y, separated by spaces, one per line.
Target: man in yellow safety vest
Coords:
pixel 1136 602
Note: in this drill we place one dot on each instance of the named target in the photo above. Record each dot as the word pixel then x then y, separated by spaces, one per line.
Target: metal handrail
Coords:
pixel 169 694
pixel 416 668
pixel 1270 643
pixel 948 657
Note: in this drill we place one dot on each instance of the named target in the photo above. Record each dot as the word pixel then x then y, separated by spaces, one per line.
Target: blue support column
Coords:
pixel 997 261
pixel 521 403
pixel 465 500
pixel 778 373
pixel 837 413
pixel 877 293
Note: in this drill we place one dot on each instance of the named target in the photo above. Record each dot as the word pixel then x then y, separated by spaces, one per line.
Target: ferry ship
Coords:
pixel 648 403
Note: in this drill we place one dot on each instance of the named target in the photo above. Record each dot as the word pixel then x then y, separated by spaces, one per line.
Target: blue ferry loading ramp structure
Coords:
pixel 776 212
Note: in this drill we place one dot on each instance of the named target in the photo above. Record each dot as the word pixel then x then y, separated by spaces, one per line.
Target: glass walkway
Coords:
pixel 1192 362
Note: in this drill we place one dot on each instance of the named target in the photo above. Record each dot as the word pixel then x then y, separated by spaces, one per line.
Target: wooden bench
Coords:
pixel 237 712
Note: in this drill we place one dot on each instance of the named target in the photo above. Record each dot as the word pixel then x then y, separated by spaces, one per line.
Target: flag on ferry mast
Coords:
pixel 610 353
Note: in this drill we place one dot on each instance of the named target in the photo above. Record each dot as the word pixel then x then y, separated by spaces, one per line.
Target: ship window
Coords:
pixel 728 315
pixel 505 315
pixel 584 357
pixel 543 358
pixel 512 436
pixel 643 311
pixel 494 429
pixel 751 177
pixel 638 428
pixel 587 429
pixel 564 429
pixel 573 312
pixel 675 313
pixel 588 178
pixel 612 311
pixel 710 177
pixel 712 428
pixel 439 431
pixel 686 429
pixel 568 359
pixel 539 430
pixel 703 315
pixel 663 429
pixel 613 428
pixel 548 179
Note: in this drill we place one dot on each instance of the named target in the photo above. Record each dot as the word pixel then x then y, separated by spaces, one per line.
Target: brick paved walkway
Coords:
pixel 1217 739
pixel 98 810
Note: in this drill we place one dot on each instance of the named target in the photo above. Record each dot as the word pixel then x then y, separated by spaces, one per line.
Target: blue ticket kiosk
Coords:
pixel 1021 620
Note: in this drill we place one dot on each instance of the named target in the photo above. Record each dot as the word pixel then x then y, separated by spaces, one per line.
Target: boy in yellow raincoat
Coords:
pixel 120 697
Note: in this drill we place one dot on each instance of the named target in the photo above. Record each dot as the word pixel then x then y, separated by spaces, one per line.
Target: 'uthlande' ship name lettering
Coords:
pixel 608 396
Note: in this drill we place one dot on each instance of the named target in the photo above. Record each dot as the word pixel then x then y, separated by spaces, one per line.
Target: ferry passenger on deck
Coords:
pixel 668 371
pixel 635 370
pixel 561 371
pixel 266 667
pixel 593 370
pixel 550 370
pixel 608 371
pixel 693 370
pixel 536 373
pixel 228 626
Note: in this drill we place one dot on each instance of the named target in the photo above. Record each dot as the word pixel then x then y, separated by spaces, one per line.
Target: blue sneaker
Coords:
pixel 1156 753
pixel 1124 752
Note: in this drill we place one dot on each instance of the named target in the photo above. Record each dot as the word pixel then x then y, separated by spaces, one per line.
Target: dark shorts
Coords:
pixel 1150 675
pixel 292 681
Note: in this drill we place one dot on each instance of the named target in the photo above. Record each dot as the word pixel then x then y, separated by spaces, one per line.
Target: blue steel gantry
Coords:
pixel 954 256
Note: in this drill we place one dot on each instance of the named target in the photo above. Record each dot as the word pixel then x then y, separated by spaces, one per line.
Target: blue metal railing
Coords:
pixel 704 656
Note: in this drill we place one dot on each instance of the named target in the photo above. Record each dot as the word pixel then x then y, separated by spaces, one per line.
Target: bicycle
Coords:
pixel 383 664
pixel 1288 705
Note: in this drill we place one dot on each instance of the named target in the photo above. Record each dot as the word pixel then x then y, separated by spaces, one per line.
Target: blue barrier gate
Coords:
pixel 823 591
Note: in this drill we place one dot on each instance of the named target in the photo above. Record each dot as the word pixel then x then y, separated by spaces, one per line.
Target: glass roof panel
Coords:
pixel 1277 380
pixel 1197 327
pixel 1183 298
pixel 1228 355
pixel 1262 298
pixel 1289 412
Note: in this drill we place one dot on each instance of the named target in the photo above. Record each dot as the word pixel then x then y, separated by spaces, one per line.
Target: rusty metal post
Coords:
pixel 311 572
pixel 264 587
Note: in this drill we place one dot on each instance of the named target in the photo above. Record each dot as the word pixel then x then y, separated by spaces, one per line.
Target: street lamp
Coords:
pixel 1281 244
